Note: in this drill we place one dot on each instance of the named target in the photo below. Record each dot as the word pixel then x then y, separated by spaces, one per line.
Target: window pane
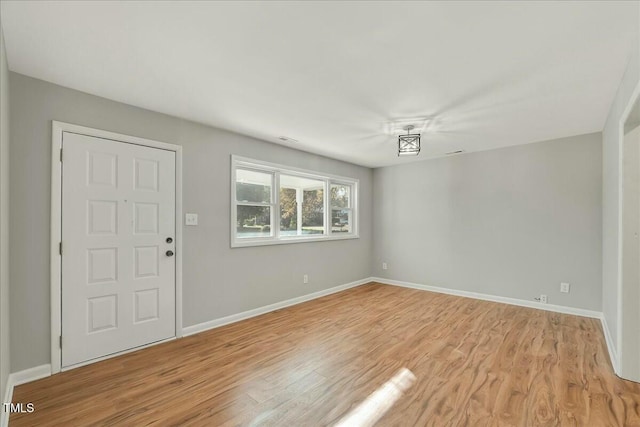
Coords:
pixel 340 196
pixel 303 198
pixel 341 221
pixel 253 221
pixel 313 211
pixel 253 187
pixel 288 211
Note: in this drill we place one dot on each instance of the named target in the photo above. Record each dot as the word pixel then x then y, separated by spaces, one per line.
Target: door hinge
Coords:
pixel 60 341
pixel 61 154
pixel 60 248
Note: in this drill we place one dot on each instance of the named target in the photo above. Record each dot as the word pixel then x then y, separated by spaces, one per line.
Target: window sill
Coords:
pixel 242 243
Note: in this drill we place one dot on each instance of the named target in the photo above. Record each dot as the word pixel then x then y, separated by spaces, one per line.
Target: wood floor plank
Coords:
pixel 477 363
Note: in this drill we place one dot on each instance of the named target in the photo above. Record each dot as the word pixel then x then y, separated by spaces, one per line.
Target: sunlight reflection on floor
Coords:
pixel 379 402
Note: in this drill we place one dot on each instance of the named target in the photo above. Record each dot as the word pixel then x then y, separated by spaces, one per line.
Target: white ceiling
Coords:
pixel 332 74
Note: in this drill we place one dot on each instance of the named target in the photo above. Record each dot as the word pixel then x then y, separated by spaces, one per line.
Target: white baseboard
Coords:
pixel 493 298
pixel 613 354
pixel 194 329
pixel 201 327
pixel 18 378
pixel 31 374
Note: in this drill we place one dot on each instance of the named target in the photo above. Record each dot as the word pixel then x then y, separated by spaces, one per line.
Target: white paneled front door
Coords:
pixel 118 238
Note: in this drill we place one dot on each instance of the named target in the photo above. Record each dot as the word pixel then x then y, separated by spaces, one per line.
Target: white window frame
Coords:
pixel 238 162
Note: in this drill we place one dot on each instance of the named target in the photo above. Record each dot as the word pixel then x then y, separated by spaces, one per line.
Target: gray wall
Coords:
pixel 512 222
pixel 217 281
pixel 611 197
pixel 4 217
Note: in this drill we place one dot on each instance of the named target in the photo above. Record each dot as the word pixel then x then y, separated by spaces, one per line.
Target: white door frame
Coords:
pixel 620 363
pixel 57 130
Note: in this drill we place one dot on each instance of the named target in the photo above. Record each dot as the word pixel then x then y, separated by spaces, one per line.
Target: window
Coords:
pixel 254 207
pixel 273 204
pixel 301 206
pixel 341 210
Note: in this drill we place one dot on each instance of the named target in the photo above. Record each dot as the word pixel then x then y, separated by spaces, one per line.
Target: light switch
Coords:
pixel 191 219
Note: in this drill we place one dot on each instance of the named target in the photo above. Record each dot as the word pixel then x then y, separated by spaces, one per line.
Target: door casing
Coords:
pixel 621 363
pixel 56 231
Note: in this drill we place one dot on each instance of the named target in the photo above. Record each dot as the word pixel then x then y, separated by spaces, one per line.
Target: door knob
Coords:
pixel 169 253
pixel 169 240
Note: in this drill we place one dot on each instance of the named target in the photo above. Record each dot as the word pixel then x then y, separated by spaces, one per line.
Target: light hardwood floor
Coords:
pixel 477 363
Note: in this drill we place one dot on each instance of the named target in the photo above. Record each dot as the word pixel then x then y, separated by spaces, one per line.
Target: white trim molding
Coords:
pixel 8 397
pixel 620 303
pixel 31 374
pixel 57 131
pixel 216 323
pixel 613 354
pixel 494 298
pixel 18 378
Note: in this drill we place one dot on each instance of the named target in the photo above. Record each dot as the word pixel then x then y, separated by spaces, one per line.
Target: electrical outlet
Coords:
pixel 384 265
pixel 565 287
pixel 305 278
pixel 543 298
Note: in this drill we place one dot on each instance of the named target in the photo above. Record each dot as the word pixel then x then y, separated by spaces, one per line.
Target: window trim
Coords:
pixel 239 162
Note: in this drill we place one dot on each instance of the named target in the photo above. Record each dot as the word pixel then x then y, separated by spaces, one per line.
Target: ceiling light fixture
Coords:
pixel 409 144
